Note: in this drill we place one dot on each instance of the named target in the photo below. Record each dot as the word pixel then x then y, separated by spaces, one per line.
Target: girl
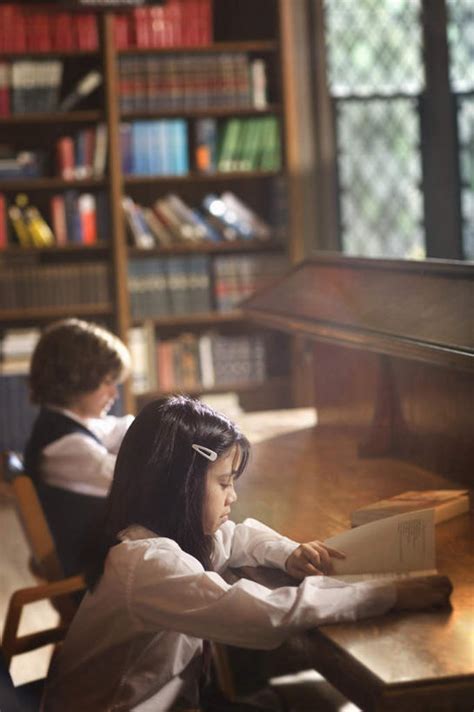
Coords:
pixel 155 585
pixel 71 452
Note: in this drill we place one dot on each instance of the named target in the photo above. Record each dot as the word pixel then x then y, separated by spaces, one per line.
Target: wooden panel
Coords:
pixel 417 310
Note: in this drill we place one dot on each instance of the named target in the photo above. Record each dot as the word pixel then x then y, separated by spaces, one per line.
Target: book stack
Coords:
pixel 176 23
pixel 169 286
pixel 35 85
pixel 36 286
pixel 16 348
pixel 172 221
pixel 83 155
pixel 34 28
pixel 81 218
pixel 249 144
pixel 192 362
pixel 20 164
pixel 154 147
pixel 151 83
pixel 445 504
pixel 237 277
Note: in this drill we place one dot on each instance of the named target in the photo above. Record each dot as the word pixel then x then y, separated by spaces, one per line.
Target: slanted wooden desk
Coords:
pixel 304 482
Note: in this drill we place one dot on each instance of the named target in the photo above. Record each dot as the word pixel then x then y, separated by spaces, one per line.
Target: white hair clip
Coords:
pixel 205 452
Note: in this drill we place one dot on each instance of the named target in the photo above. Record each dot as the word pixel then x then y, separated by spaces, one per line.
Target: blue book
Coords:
pixel 126 148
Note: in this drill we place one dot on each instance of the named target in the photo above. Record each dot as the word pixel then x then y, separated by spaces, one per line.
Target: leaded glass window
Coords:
pixel 461 46
pixel 375 73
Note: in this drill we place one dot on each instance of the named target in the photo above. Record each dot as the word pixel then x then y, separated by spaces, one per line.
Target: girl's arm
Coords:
pixel 250 544
pixel 166 588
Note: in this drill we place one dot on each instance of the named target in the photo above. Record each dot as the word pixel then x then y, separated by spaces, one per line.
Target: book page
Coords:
pixel 394 545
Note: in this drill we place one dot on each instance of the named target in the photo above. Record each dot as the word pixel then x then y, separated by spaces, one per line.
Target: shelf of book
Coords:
pixel 54 183
pixel 55 117
pixel 200 177
pixel 189 320
pixel 98 248
pixel 254 39
pixel 56 312
pixel 214 48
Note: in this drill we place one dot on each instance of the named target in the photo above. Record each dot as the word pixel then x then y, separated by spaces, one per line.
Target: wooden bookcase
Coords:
pixel 251 27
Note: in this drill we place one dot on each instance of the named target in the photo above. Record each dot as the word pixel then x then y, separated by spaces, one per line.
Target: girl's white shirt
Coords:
pixel 77 462
pixel 136 642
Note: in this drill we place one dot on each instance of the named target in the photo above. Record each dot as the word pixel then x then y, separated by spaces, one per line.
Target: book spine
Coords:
pixel 58 219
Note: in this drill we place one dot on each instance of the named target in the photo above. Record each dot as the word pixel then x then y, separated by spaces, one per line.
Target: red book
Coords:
pixel 122 31
pixel 157 26
pixel 62 36
pixel 173 9
pixel 3 223
pixel 190 30
pixel 58 219
pixel 37 30
pixel 65 157
pixel 86 31
pixel 14 29
pixel 204 22
pixel 141 27
pixel 88 218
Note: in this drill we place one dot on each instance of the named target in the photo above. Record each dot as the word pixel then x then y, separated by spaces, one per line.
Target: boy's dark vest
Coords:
pixel 72 517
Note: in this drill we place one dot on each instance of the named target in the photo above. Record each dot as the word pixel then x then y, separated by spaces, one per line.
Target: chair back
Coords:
pixel 31 514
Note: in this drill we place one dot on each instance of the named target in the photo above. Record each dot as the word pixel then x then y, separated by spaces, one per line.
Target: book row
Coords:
pixel 81 218
pixel 236 277
pixel 197 284
pixel 36 87
pixel 193 362
pixel 154 147
pixel 151 83
pixel 249 144
pixel 84 154
pixel 36 286
pixel 170 220
pixel 169 286
pixel 176 23
pixel 35 28
pixel 162 147
pixel 28 86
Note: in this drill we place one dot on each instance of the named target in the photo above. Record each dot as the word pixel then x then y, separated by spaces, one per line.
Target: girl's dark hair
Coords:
pixel 159 480
pixel 73 357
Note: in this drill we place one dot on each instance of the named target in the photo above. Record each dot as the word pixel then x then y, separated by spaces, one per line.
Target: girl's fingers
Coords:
pixel 335 552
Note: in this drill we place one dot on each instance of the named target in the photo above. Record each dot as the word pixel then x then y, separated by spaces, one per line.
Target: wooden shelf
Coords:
pixel 143 398
pixel 217 111
pixel 57 312
pixel 215 48
pixel 50 183
pixel 55 117
pixel 73 248
pixel 214 248
pixel 200 177
pixel 205 318
pixel 66 53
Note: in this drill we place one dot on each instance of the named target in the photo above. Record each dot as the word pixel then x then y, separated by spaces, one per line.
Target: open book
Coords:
pixel 403 545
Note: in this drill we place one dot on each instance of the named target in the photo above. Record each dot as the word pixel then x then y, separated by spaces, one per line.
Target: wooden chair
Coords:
pixel 45 565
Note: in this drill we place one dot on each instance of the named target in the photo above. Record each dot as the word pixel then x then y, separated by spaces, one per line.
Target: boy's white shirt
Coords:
pixel 77 462
pixel 135 643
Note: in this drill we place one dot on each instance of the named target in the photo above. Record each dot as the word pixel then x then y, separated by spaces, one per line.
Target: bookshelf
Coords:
pixel 251 39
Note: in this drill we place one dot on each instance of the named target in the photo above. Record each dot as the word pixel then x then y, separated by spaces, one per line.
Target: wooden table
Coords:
pixel 304 481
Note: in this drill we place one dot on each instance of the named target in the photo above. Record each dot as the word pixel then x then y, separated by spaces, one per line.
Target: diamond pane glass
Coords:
pixel 466 161
pixel 461 43
pixel 379 177
pixel 374 47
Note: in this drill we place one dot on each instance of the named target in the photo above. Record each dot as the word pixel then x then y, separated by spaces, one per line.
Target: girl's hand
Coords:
pixel 312 559
pixel 415 594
